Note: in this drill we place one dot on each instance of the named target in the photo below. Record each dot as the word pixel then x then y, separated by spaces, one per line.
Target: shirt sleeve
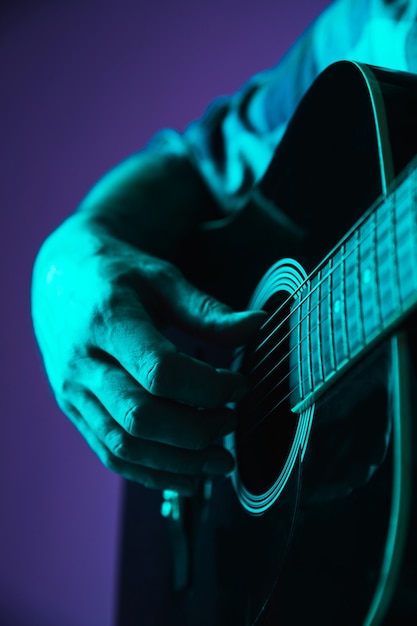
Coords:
pixel 233 143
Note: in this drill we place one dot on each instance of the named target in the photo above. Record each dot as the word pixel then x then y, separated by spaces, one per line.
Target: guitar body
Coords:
pixel 313 526
pixel 317 553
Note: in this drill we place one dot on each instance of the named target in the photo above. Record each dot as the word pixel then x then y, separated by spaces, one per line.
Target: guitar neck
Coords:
pixel 363 288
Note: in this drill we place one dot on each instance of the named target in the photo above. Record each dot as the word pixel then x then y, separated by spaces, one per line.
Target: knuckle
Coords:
pixel 132 421
pixel 147 480
pixel 157 374
pixel 138 420
pixel 104 311
pixel 110 461
pixel 209 308
pixel 65 376
pixel 65 391
pixel 164 273
pixel 67 408
pixel 118 445
pixel 206 305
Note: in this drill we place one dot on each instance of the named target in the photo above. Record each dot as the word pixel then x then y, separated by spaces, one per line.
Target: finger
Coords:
pixel 154 362
pixel 148 417
pixel 153 479
pixel 205 316
pixel 167 458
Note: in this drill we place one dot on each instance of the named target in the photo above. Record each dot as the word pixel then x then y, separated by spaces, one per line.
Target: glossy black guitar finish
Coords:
pixel 329 549
pixel 314 525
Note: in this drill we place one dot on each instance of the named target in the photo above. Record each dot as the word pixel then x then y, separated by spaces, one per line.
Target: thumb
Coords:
pixel 205 316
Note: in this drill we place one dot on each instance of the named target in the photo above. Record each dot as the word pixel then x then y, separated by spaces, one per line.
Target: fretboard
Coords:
pixel 365 287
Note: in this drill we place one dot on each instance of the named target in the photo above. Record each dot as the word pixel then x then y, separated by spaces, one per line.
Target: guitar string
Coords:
pixel 270 372
pixel 250 430
pixel 375 212
pixel 299 478
pixel 286 336
pixel 382 211
pixel 271 335
pixel 288 542
pixel 269 353
pixel 287 302
pixel 306 283
pixel 371 255
pixel 299 466
pixel 372 252
pixel 344 255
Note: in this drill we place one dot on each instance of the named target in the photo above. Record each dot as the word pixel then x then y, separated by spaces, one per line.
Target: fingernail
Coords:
pixel 254 317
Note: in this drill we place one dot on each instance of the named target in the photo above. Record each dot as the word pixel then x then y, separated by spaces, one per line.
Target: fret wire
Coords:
pixel 299 305
pixel 344 256
pixel 392 242
pixel 318 285
pixel 298 346
pixel 299 291
pixel 359 287
pixel 344 240
pixel 343 307
pixel 324 330
pixel 406 249
pixel 383 257
pixel 304 374
pixel 298 308
pixel 329 320
pixel 317 351
pixel 369 301
pixel 338 308
pixel 377 282
pixel 300 377
pixel 306 361
pixel 414 217
pixel 300 360
pixel 413 221
pixel 289 372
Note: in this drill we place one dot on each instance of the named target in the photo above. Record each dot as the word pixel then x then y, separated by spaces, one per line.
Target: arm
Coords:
pixel 100 298
pixel 152 200
pixel 104 284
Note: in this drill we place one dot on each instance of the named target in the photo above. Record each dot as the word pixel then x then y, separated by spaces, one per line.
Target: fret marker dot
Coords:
pixel 367 275
pixel 337 306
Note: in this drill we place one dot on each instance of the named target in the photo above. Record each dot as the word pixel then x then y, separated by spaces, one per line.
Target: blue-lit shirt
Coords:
pixel 232 145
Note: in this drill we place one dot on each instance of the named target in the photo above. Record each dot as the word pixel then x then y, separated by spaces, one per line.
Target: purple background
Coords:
pixel 83 84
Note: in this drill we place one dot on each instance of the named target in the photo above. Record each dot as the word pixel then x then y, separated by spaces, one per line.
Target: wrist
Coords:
pixel 152 200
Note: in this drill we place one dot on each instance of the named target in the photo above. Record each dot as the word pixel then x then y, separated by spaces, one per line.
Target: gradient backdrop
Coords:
pixel 83 83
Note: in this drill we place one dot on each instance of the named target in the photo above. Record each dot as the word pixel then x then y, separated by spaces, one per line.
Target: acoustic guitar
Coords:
pixel 314 526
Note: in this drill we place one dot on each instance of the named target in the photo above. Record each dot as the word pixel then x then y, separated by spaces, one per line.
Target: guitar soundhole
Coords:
pixel 266 426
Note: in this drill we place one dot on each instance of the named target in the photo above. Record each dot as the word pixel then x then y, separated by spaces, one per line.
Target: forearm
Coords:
pixel 152 200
